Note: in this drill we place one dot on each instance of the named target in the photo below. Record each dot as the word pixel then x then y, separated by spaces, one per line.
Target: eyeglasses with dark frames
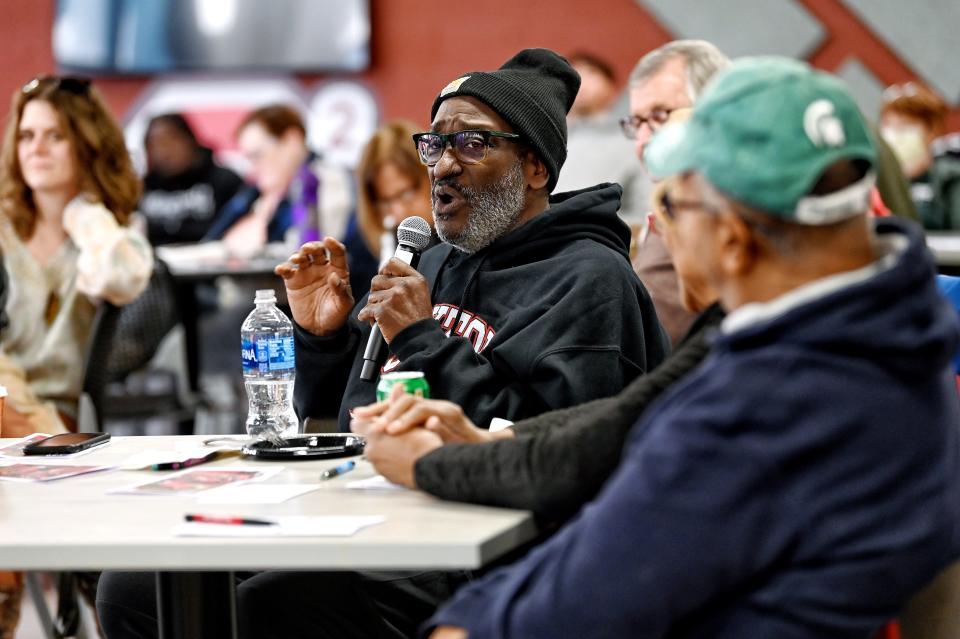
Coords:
pixel 470 146
pixel 630 125
pixel 70 83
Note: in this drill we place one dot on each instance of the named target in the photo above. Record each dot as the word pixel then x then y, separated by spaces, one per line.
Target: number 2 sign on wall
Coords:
pixel 342 116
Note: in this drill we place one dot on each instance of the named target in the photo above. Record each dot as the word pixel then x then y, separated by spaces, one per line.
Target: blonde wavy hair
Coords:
pixel 391 143
pixel 103 163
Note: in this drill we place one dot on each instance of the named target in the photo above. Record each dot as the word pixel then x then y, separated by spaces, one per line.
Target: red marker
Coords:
pixel 229 521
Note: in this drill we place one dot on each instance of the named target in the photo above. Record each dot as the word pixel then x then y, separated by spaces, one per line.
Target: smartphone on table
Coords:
pixel 66 443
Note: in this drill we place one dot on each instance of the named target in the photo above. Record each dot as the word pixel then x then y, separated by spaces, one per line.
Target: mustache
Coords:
pixel 448 183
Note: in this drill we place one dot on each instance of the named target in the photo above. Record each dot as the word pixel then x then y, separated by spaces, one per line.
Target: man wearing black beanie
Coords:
pixel 528 305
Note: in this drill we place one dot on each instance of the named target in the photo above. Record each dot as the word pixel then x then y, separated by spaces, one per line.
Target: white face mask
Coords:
pixel 909 144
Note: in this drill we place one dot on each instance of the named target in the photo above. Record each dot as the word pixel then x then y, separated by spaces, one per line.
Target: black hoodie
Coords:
pixel 548 316
pixel 181 208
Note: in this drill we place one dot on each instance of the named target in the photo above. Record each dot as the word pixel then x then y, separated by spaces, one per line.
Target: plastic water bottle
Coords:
pixel 267 345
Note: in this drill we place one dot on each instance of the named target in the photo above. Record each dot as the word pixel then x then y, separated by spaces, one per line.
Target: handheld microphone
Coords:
pixel 413 235
pixel 388 240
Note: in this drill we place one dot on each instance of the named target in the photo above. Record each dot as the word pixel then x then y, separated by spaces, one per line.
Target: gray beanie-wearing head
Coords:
pixel 533 91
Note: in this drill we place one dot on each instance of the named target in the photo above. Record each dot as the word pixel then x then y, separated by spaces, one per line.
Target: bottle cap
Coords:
pixel 265 295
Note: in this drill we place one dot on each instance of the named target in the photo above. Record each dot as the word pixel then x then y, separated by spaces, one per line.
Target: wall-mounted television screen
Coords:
pixel 154 36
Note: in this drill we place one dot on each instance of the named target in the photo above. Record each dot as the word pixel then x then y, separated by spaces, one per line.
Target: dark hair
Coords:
pixel 597 63
pixel 277 119
pixel 177 122
pixel 103 163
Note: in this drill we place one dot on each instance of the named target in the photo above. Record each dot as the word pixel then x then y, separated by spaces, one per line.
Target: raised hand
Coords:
pixel 317 280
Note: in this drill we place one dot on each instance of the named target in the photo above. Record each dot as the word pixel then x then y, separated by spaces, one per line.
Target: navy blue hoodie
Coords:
pixel 548 316
pixel 801 484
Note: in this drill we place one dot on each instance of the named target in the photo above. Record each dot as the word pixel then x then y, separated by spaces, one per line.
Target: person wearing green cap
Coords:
pixel 804 481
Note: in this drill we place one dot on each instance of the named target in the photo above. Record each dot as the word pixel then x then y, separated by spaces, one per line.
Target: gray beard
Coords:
pixel 495 210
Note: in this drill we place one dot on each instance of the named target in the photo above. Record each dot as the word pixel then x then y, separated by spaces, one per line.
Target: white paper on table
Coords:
pixel 377 482
pixel 254 493
pixel 23 471
pixel 181 483
pixel 290 526
pixel 15 449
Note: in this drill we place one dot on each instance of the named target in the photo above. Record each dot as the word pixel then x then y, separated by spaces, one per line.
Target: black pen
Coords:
pixel 186 463
pixel 230 521
pixel 338 470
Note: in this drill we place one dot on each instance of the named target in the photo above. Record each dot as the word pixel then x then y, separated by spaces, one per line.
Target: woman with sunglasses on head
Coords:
pixel 67 190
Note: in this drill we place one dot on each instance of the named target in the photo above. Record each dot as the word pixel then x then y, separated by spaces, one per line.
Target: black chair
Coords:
pixel 116 386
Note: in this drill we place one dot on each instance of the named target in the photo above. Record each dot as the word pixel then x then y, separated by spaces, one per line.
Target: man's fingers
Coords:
pixel 338 283
pixel 285 270
pixel 397 268
pixel 437 426
pixel 371 410
pixel 398 406
pixel 366 314
pixel 368 428
pixel 419 413
pixel 337 253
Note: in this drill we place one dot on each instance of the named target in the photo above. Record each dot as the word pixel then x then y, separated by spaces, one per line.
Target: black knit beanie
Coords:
pixel 533 91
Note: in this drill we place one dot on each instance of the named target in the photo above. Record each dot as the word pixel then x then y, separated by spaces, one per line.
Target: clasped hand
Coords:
pixel 402 428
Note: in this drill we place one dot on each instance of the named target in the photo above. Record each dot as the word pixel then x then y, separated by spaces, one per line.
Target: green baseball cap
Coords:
pixel 763 132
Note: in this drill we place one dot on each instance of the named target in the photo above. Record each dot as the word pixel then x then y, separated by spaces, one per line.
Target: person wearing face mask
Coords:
pixel 911 118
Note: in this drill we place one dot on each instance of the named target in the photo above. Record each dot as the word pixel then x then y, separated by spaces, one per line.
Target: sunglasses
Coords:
pixel 70 83
pixel 470 147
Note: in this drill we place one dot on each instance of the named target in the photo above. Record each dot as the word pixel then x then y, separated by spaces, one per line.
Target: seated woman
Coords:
pixel 393 185
pixel 66 195
pixel 67 191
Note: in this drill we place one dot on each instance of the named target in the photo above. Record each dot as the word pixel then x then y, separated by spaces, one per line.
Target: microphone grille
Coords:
pixel 414 231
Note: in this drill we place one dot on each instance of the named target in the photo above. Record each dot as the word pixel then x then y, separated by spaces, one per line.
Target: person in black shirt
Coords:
pixel 183 188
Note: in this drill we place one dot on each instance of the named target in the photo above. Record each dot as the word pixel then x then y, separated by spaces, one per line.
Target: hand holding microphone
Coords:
pixel 399 295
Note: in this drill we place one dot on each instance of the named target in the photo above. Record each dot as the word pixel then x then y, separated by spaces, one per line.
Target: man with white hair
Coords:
pixel 664 80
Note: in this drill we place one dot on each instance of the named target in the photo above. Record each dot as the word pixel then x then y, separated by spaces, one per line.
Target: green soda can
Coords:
pixel 413 382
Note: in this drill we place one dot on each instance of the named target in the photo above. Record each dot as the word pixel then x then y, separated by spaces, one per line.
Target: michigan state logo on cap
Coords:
pixel 453 86
pixel 822 126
